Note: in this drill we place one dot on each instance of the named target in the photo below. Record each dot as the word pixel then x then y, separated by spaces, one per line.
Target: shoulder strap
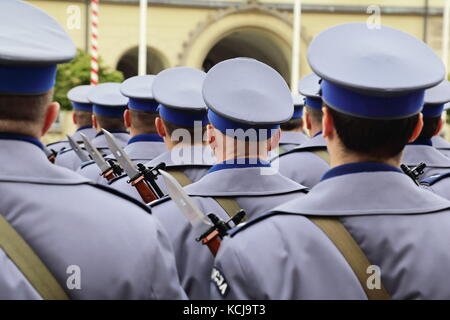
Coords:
pixel 323 154
pixel 29 263
pixel 230 206
pixel 351 251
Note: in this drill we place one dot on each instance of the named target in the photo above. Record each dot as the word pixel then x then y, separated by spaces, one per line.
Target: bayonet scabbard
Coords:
pixel 143 189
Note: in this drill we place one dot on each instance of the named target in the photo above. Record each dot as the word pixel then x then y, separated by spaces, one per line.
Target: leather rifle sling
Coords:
pixel 29 263
pixel 352 253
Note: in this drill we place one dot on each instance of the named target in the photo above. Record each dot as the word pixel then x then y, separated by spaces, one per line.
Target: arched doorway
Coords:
pixel 128 63
pixel 250 43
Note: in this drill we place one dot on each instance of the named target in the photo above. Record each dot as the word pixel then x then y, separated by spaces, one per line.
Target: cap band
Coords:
pixel 182 118
pixel 359 105
pixel 226 125
pixel 143 105
pixel 314 103
pixel 298 113
pixel 110 112
pixel 30 80
pixel 82 106
pixel 433 110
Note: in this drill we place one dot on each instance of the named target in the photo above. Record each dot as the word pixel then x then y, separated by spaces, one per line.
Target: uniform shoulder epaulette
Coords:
pixel 159 201
pixel 65 151
pixel 56 142
pixel 122 195
pixel 87 163
pixel 244 226
pixel 433 179
pixel 117 179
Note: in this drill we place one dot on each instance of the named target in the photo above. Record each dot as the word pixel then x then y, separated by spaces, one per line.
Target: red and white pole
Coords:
pixel 94 42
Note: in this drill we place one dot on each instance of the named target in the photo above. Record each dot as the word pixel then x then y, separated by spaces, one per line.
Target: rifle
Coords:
pixel 211 232
pixel 415 172
pixel 141 177
pixel 108 168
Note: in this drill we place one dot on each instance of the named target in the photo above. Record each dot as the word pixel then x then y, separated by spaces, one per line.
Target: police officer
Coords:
pixel 307 163
pixel 292 134
pixel 81 117
pixel 181 124
pixel 145 144
pixel 383 224
pixel 422 149
pixel 247 101
pixel 91 243
pixel 439 142
pixel 109 106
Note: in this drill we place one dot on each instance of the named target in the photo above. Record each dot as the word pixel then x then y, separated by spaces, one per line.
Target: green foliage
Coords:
pixel 77 72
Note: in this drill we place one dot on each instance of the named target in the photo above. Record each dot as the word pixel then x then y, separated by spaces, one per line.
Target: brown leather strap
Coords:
pixel 352 252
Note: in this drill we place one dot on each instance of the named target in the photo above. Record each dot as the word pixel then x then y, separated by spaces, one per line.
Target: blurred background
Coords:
pixel 201 33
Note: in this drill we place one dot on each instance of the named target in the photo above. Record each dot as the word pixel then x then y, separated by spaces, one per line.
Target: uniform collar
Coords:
pixel 111 131
pixel 150 137
pixel 20 137
pixel 358 167
pixel 422 142
pixel 318 134
pixel 240 163
pixel 84 128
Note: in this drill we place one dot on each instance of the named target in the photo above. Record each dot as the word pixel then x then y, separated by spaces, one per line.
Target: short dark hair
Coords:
pixel 23 114
pixel 430 125
pixel 110 123
pixel 315 114
pixel 84 118
pixel 143 121
pixel 171 127
pixel 292 124
pixel 375 138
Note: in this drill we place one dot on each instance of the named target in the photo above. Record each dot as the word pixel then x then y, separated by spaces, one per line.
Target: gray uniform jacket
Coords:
pixel 436 162
pixel 121 250
pixel 301 164
pixel 69 159
pixel 194 161
pixel 64 144
pixel 291 140
pixel 442 145
pixel 255 193
pixel 139 152
pixel 401 228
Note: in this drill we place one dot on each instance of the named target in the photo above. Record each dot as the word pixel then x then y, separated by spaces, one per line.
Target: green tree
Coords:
pixel 77 72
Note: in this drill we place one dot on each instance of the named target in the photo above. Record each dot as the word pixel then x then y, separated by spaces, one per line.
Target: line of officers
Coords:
pixel 374 102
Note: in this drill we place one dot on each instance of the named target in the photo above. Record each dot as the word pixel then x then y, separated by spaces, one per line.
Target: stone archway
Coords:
pixel 128 63
pixel 253 31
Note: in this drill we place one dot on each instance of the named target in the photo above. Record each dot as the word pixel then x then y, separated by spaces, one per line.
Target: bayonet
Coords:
pixel 141 177
pixel 78 151
pixel 109 170
pixel 212 231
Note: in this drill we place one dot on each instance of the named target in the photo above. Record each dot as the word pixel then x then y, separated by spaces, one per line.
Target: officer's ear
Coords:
pixel 417 129
pixel 211 137
pixel 94 123
pixel 308 120
pixel 160 128
pixel 74 118
pixel 327 123
pixel 273 142
pixel 127 118
pixel 439 127
pixel 50 117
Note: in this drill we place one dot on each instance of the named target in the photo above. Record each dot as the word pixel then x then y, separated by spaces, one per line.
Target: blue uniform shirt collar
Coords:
pixel 84 128
pixel 239 163
pixel 111 131
pixel 20 137
pixel 146 137
pixel 422 142
pixel 318 134
pixel 358 167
